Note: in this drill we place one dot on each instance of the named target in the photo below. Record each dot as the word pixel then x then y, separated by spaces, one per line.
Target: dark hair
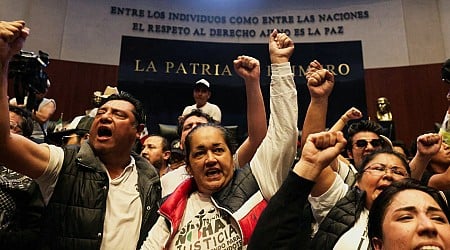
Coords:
pixel 373 154
pixel 225 133
pixel 194 112
pixel 401 144
pixel 138 111
pixel 27 120
pixel 164 142
pixel 384 199
pixel 361 126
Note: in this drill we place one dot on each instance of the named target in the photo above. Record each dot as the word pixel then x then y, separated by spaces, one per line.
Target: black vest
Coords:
pixel 339 220
pixel 76 211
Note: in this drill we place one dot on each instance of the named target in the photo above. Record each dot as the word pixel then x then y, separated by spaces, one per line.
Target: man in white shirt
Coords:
pixel 201 94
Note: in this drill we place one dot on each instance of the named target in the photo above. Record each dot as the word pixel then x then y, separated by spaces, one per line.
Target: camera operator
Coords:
pixel 31 86
pixel 42 111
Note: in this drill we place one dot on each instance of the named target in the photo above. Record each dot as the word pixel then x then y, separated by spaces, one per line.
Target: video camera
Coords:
pixel 27 70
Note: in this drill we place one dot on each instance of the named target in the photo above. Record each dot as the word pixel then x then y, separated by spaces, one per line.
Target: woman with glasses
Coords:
pixel 341 211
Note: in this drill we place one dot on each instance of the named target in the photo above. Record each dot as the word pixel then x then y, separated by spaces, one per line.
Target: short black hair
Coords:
pixel 27 120
pixel 138 111
pixel 361 126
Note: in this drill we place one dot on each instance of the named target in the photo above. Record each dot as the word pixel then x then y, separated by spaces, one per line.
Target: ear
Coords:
pixel 188 169
pixel 166 155
pixel 349 153
pixel 377 243
pixel 139 129
pixel 85 136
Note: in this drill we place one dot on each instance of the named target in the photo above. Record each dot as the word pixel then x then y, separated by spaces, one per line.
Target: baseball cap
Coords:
pixel 175 147
pixel 79 125
pixel 202 81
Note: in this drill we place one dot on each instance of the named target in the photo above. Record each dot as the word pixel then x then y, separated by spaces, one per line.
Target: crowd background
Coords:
pixel 410 74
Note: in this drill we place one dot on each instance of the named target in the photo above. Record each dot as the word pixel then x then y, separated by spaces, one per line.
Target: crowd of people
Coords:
pixel 96 185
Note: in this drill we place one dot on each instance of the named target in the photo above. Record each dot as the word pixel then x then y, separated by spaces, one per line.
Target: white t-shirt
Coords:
pixel 203 226
pixel 123 216
pixel 209 108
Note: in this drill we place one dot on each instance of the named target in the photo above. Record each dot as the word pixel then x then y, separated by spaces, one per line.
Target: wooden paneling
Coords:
pixel 73 84
pixel 417 96
pixel 416 93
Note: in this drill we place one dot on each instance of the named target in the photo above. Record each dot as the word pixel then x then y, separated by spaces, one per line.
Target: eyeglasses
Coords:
pixel 379 169
pixel 374 142
pixel 15 127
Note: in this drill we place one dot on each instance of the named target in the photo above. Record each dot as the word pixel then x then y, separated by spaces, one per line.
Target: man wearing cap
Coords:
pixel 201 94
pixel 75 133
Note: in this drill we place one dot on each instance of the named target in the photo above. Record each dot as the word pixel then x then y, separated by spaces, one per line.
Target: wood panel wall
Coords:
pixel 416 93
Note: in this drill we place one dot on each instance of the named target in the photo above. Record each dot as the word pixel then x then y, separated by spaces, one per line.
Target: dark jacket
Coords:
pixel 339 220
pixel 284 224
pixel 76 211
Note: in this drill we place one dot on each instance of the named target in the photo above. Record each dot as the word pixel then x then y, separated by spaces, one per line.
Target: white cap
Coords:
pixel 202 81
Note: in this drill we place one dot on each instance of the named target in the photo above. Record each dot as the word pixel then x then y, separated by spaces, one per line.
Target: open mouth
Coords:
pixel 212 172
pixel 104 132
pixel 429 248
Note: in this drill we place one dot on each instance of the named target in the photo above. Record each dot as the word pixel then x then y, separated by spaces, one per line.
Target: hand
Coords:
pixel 319 80
pixel 429 144
pixel 351 114
pixel 247 67
pixel 322 148
pixel 12 37
pixel 281 47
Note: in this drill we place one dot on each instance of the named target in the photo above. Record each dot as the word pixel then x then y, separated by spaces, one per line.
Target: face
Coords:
pixel 201 96
pixel 414 220
pixel 383 106
pixel 114 130
pixel 153 151
pixel 210 160
pixel 189 124
pixel 375 179
pixel 357 153
pixel 400 151
pixel 441 159
pixel 15 123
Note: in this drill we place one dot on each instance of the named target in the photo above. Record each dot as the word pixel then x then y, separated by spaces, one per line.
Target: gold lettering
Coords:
pixel 151 67
pixel 181 69
pixel 330 67
pixel 205 69
pixel 194 68
pixel 136 66
pixel 169 66
pixel 343 67
pixel 226 71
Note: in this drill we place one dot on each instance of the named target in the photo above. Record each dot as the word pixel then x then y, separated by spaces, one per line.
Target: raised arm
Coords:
pixel 282 225
pixel 427 145
pixel 16 152
pixel 351 114
pixel 320 84
pixel 249 69
pixel 275 156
